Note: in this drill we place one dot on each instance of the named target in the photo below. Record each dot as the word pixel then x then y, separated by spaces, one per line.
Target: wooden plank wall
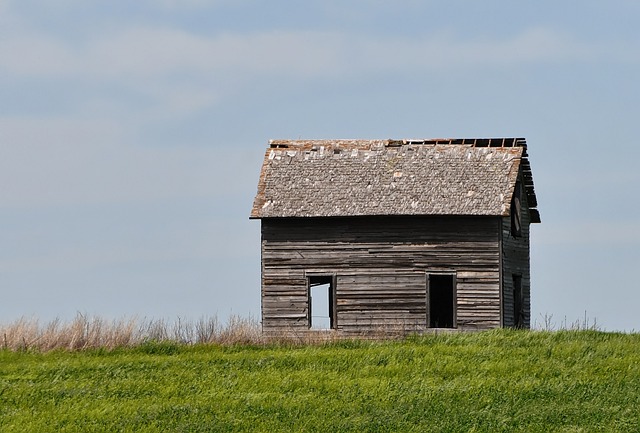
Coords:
pixel 516 261
pixel 381 265
pixel 381 302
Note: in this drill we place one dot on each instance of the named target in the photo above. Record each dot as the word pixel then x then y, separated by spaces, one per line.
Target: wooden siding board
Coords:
pixel 515 252
pixel 381 265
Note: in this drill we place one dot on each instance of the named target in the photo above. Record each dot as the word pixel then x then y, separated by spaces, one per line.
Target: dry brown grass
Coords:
pixel 85 332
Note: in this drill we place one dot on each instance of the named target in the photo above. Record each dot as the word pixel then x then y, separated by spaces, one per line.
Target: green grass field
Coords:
pixel 498 381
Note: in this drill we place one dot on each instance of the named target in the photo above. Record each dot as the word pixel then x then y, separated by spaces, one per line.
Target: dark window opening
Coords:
pixel 516 211
pixel 442 300
pixel 322 302
pixel 518 302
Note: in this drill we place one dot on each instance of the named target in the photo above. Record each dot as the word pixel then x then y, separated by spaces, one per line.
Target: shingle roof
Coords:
pixel 325 178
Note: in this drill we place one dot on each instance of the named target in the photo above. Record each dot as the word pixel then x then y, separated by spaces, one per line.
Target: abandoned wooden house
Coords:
pixel 361 236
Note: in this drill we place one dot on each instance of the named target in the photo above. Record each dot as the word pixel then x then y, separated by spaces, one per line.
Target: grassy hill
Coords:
pixel 498 381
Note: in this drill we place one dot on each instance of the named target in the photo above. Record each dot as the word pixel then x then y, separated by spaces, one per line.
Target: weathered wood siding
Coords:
pixel 515 261
pixel 381 266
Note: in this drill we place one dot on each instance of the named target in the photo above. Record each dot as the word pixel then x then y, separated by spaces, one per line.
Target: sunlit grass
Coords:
pixel 496 381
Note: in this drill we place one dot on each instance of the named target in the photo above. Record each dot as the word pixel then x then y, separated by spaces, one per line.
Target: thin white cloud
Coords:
pixel 152 52
pixel 182 72
pixel 145 51
pixel 59 161
pixel 190 4
pixel 442 51
pixel 36 55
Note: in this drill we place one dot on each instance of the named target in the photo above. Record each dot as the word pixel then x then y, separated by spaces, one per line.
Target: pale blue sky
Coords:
pixel 131 135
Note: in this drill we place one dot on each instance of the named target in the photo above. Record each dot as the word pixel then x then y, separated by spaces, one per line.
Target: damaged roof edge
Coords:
pixel 472 142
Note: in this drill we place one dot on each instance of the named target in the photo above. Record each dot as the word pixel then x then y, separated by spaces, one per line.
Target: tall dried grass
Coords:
pixel 547 322
pixel 84 332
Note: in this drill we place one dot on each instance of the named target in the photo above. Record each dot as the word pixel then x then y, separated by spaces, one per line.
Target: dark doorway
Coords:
pixel 518 304
pixel 322 302
pixel 442 299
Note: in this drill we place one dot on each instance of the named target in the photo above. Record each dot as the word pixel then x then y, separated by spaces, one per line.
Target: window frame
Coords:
pixel 318 279
pixel 516 210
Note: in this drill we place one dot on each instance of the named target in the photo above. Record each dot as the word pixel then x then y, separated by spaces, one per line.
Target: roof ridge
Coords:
pixel 472 142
